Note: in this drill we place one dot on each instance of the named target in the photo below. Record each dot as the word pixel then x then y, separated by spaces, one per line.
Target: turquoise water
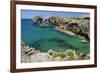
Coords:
pixel 45 38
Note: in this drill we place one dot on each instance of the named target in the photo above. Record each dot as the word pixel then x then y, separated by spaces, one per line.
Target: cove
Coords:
pixel 46 38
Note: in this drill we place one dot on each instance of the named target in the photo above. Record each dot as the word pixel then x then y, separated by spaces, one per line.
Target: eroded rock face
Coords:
pixel 38 19
pixel 27 52
pixel 56 20
pixel 77 26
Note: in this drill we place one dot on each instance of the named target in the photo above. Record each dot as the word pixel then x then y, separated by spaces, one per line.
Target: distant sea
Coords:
pixel 45 38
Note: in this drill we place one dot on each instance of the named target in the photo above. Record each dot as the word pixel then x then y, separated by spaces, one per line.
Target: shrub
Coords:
pixel 70 54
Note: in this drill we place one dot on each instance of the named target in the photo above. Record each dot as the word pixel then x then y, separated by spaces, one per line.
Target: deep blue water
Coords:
pixel 45 38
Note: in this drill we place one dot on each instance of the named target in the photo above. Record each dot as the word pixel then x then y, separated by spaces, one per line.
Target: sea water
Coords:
pixel 46 38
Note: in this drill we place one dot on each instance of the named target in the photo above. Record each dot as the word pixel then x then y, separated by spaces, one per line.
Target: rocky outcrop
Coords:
pixel 78 26
pixel 38 19
pixel 27 52
pixel 56 20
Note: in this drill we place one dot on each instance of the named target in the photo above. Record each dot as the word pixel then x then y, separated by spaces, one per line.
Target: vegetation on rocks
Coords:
pixel 30 54
pixel 66 56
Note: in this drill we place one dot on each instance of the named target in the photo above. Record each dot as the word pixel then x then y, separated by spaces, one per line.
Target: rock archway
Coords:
pixel 38 20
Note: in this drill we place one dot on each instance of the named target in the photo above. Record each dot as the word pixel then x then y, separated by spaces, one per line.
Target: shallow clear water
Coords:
pixel 45 38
